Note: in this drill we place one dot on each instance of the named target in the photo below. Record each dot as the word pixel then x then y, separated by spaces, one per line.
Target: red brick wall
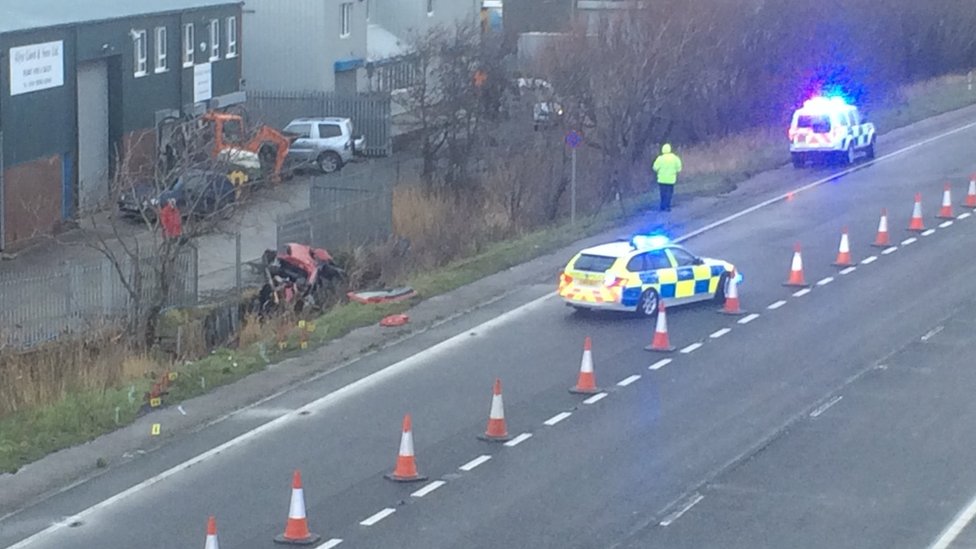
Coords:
pixel 32 199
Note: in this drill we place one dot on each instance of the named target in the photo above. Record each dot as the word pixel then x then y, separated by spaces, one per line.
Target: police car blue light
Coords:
pixel 649 242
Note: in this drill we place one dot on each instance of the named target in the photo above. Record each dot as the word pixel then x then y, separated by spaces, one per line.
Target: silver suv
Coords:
pixel 327 142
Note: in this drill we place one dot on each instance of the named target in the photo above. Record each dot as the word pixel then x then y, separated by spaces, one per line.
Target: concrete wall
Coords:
pixel 409 18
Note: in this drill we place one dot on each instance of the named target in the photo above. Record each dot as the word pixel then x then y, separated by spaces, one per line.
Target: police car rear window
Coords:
pixel 819 124
pixel 593 263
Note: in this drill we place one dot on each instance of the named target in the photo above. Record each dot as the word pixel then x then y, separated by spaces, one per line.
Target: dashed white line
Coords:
pixel 557 418
pixel 825 406
pixel 776 305
pixel 659 364
pixel 378 517
pixel 518 440
pixel 825 281
pixel 748 318
pixel 964 215
pixel 801 293
pixel 928 232
pixel 945 224
pixel 958 525
pixel 595 398
pixel 691 348
pixel 848 270
pixel 428 489
pixel 474 463
pixel 932 333
pixel 687 507
pixel 719 333
pixel 334 542
pixel 628 381
pixel 908 241
pixel 890 250
pixel 869 260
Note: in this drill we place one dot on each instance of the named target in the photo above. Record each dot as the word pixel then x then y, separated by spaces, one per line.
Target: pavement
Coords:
pixel 739 439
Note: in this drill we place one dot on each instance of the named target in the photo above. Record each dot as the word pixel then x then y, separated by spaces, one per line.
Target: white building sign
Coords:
pixel 36 67
pixel 202 82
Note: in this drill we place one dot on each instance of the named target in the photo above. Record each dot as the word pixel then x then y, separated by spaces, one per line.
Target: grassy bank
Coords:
pixel 713 168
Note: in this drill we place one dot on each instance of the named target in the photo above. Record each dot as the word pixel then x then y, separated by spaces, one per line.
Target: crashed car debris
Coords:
pixel 297 276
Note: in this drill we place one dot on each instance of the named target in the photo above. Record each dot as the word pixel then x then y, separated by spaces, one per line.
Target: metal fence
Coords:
pixel 370 114
pixel 345 212
pixel 46 304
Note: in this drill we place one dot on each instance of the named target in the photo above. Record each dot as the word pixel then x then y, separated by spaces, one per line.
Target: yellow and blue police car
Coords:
pixel 637 273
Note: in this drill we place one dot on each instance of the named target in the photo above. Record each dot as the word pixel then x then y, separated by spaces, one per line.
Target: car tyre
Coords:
pixel 329 162
pixel 798 160
pixel 869 152
pixel 723 284
pixel 850 155
pixel 647 305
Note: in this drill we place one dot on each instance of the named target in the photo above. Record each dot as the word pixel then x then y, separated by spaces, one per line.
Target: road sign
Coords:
pixel 573 139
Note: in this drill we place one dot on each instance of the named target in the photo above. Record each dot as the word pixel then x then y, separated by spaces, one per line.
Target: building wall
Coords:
pixel 535 16
pixel 409 19
pixel 294 44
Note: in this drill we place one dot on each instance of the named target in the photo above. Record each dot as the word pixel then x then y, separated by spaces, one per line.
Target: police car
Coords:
pixel 634 275
pixel 827 129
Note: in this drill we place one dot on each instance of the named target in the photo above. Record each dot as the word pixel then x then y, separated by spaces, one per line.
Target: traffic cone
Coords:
pixel 661 343
pixel 732 298
pixel 586 382
pixel 971 195
pixel 497 430
pixel 883 240
pixel 406 465
pixel 296 529
pixel 796 269
pixel 917 224
pixel 946 211
pixel 211 534
pixel 844 252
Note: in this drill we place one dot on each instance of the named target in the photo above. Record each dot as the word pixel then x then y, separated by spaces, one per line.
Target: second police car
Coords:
pixel 635 275
pixel 829 129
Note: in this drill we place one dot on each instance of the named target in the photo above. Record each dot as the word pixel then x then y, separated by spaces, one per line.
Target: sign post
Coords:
pixel 573 139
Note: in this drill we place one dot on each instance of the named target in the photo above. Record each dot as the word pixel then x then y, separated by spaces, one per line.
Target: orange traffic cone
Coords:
pixel 211 534
pixel 917 223
pixel 796 269
pixel 732 297
pixel 844 252
pixel 406 465
pixel 586 382
pixel 971 195
pixel 296 529
pixel 883 240
pixel 497 430
pixel 661 343
pixel 946 211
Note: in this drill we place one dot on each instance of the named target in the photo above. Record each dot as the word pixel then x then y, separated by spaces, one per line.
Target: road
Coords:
pixel 838 417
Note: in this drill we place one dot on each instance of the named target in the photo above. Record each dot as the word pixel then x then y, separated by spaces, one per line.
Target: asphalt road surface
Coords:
pixel 835 417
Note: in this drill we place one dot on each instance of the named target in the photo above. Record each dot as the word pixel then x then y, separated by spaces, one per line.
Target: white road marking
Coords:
pixel 628 381
pixel 748 318
pixel 687 507
pixel 422 357
pixel 595 398
pixel 869 260
pixel 825 406
pixel 691 348
pixel 890 250
pixel 945 224
pixel 932 333
pixel 557 418
pixel 334 542
pixel 801 293
pixel 378 517
pixel 825 281
pixel 908 241
pixel 518 440
pixel 848 270
pixel 719 333
pixel 474 463
pixel 955 528
pixel 659 364
pixel 428 488
pixel 964 215
pixel 928 232
pixel 776 305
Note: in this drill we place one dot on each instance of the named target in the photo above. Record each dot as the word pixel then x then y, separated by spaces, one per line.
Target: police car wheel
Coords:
pixel 869 152
pixel 723 283
pixel 647 306
pixel 849 155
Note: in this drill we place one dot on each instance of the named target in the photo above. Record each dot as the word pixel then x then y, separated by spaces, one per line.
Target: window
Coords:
pixel 819 124
pixel 345 21
pixel 594 263
pixel 329 130
pixel 140 52
pixel 161 64
pixel 636 264
pixel 231 37
pixel 214 39
pixel 657 260
pixel 682 257
pixel 430 8
pixel 303 131
pixel 188 45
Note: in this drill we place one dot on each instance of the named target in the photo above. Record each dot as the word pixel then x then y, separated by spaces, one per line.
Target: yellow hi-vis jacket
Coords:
pixel 667 166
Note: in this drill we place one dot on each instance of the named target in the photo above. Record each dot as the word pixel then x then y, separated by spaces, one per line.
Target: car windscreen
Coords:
pixel 818 123
pixel 593 263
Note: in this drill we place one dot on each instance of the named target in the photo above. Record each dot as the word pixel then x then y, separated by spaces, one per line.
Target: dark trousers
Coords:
pixel 667 191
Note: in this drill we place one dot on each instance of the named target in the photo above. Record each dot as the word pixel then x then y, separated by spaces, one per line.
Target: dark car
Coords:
pixel 196 192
